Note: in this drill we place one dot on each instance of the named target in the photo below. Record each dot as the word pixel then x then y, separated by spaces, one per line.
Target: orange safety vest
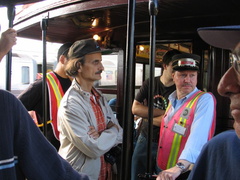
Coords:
pixel 56 93
pixel 171 144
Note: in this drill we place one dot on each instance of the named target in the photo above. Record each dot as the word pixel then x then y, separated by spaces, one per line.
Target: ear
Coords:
pixel 173 75
pixel 79 65
pixel 164 66
pixel 62 59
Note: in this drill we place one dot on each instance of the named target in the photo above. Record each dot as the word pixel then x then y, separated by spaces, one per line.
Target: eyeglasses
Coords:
pixel 236 59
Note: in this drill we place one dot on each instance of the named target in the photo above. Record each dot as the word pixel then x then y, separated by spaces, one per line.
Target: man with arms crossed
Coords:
pixel 88 128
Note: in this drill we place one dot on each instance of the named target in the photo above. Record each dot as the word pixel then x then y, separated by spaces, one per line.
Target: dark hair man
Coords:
pixel 57 84
pixel 163 86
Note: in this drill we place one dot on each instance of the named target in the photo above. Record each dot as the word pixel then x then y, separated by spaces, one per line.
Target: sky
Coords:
pixel 28 46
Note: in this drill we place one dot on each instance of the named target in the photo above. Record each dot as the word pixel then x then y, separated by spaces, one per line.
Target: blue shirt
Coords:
pixel 201 125
pixel 24 152
pixel 219 159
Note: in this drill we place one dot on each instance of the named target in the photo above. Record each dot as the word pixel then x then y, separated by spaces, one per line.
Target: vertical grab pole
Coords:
pixel 128 95
pixel 11 16
pixel 153 10
pixel 44 25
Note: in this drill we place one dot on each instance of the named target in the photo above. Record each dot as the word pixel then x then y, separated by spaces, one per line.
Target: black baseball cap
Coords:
pixel 63 50
pixel 225 37
pixel 185 61
pixel 83 47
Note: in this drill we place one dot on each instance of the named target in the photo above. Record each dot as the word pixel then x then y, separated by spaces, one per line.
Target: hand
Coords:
pixel 33 116
pixel 111 124
pixel 8 39
pixel 157 120
pixel 169 174
pixel 93 133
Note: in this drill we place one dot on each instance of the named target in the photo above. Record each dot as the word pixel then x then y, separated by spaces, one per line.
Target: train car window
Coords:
pixel 230 59
pixel 25 75
pixel 109 75
pixel 50 67
pixel 142 57
pixel 206 79
pixel 157 72
pixel 139 74
pixel 108 83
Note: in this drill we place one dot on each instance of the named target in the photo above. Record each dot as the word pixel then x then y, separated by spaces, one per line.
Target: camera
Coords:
pixel 112 155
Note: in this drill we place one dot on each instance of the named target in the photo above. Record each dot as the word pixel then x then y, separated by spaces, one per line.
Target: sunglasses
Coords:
pixel 235 55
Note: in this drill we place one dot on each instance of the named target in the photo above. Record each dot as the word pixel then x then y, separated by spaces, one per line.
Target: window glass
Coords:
pixel 25 75
pixel 139 74
pixel 157 72
pixel 109 75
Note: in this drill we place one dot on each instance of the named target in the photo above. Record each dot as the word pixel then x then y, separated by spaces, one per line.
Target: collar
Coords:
pixel 173 96
pixel 94 91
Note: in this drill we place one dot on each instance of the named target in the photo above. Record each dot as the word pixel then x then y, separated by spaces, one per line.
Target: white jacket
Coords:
pixel 75 115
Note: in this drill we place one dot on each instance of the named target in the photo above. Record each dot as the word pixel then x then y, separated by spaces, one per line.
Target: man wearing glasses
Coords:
pixel 220 158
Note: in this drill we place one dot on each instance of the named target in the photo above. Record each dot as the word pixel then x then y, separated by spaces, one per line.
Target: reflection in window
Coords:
pixel 25 75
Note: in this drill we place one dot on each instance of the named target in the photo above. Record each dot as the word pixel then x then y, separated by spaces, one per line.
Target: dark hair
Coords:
pixel 73 65
pixel 167 57
pixel 63 50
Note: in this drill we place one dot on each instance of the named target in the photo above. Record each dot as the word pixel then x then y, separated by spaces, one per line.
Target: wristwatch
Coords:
pixel 181 166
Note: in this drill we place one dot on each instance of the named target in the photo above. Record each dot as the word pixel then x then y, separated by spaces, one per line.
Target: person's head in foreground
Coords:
pixel 227 37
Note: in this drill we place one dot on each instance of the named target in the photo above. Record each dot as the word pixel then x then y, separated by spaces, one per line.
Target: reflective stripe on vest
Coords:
pixel 56 93
pixel 177 137
pixel 55 87
pixel 171 144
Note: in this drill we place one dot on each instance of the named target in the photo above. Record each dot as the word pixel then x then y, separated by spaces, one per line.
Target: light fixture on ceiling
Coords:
pixel 96 37
pixel 95 22
pixel 141 48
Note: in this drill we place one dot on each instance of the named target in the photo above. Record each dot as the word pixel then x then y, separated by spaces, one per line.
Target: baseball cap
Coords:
pixel 225 37
pixel 185 61
pixel 83 47
pixel 63 50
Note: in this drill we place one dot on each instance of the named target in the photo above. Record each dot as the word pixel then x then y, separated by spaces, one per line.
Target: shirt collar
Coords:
pixel 95 92
pixel 173 96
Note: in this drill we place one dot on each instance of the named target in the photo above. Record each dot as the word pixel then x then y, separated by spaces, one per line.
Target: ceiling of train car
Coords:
pixel 16 2
pixel 175 18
